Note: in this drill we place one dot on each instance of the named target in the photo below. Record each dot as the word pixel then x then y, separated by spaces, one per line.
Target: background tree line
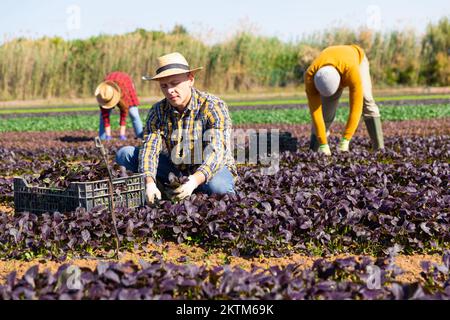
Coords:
pixel 53 67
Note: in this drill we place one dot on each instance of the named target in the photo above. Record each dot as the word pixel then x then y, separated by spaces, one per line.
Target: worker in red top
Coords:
pixel 118 89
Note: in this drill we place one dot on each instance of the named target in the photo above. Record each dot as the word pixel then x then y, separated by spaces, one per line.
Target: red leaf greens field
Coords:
pixel 317 229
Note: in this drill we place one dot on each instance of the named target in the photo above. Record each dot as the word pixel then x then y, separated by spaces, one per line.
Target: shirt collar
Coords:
pixel 193 103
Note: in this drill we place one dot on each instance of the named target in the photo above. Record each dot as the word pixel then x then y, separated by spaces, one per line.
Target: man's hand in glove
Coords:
pixel 152 192
pixel 186 189
pixel 325 149
pixel 344 145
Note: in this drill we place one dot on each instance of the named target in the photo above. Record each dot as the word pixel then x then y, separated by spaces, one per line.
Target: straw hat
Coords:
pixel 171 64
pixel 108 94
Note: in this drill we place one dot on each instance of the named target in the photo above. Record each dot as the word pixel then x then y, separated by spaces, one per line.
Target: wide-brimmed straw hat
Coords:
pixel 108 94
pixel 171 64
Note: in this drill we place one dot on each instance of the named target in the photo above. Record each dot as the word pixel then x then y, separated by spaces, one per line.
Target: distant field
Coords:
pixel 231 104
pixel 284 116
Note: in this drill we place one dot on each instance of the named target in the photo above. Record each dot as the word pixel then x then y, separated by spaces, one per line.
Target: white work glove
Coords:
pixel 152 191
pixel 344 145
pixel 186 189
pixel 325 149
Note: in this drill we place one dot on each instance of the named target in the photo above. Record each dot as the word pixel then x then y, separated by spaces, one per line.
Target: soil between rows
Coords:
pixel 172 252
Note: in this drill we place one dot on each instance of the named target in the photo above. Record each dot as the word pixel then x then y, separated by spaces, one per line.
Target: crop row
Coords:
pixel 341 279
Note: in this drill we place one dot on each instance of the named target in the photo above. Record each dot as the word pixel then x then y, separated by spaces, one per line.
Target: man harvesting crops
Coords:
pixel 193 127
pixel 336 68
pixel 118 89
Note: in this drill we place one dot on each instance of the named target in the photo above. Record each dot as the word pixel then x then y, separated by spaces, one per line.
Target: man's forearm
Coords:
pixel 149 180
pixel 199 178
pixel 148 156
pixel 108 130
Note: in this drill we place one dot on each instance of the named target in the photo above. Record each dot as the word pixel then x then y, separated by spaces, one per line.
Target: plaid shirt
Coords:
pixel 128 97
pixel 199 139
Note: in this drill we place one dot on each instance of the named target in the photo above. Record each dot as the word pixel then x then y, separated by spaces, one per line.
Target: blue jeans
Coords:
pixel 221 183
pixel 135 119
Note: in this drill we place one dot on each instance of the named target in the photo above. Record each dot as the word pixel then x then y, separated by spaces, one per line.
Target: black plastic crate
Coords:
pixel 286 142
pixel 128 192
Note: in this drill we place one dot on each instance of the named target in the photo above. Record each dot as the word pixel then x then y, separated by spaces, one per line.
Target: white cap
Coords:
pixel 327 80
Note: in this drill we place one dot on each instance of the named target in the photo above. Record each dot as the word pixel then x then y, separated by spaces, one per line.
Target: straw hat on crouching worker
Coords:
pixel 108 94
pixel 171 64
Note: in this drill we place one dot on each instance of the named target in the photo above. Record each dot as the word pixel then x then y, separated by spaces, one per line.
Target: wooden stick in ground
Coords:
pixel 99 144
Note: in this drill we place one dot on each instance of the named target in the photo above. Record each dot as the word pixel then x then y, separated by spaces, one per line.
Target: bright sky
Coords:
pixel 210 19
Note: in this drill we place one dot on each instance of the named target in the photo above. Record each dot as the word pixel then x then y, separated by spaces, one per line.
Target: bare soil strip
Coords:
pixel 172 252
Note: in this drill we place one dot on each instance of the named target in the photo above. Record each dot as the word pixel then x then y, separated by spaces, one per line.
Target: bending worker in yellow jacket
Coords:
pixel 336 68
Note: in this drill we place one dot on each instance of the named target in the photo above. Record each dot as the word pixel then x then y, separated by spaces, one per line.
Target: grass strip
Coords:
pixel 23 110
pixel 284 116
